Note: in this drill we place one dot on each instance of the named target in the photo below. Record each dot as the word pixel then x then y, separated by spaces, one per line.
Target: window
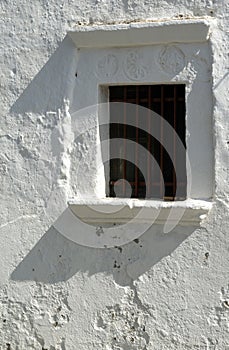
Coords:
pixel 168 101
pixel 165 67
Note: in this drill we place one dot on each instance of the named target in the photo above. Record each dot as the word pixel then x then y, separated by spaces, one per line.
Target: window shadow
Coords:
pixel 57 259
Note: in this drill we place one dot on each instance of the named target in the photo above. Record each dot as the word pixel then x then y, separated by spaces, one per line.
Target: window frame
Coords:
pixel 96 47
pixel 93 60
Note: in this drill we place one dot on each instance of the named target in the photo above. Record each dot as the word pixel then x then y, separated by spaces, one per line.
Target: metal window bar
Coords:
pixel 136 188
pixel 149 142
pixel 161 141
pixel 174 138
pixel 124 140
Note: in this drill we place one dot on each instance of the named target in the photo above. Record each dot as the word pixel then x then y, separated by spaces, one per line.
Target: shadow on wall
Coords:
pixel 54 82
pixel 55 258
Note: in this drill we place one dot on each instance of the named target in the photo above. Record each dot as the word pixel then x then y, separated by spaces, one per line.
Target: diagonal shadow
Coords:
pixel 53 82
pixel 55 258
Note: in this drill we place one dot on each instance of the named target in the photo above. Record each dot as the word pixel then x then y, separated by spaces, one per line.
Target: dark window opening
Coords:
pixel 168 101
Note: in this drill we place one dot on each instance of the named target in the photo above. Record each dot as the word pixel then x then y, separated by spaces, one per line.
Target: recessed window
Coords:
pixel 168 101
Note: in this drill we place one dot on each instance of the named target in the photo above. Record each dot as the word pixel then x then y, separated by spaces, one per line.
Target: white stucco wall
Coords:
pixel 161 291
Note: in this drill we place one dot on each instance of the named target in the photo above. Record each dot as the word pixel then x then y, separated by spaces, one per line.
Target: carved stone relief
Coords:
pixel 171 59
pixel 107 66
pixel 134 67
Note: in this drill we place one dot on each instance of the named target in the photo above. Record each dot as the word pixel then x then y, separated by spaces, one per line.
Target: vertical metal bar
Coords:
pixel 148 142
pixel 136 148
pixel 110 152
pixel 111 162
pixel 174 137
pixel 161 141
pixel 124 139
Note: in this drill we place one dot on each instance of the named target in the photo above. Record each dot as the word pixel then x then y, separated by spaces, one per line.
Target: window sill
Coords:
pixel 121 210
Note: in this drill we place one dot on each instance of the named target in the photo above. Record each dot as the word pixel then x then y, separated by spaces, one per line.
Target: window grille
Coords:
pixel 169 102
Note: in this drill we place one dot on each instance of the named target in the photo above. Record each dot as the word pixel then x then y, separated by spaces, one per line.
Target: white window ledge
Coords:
pixel 118 211
pixel 141 33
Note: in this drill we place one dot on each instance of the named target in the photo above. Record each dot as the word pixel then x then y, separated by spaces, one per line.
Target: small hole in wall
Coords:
pixel 226 304
pixel 91 20
pixel 119 248
pixel 33 269
pixel 76 74
pixel 116 265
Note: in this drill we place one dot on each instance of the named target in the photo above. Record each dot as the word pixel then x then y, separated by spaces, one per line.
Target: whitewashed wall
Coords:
pixel 158 292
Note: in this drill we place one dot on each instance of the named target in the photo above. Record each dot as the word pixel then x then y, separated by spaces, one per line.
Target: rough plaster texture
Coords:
pixel 157 292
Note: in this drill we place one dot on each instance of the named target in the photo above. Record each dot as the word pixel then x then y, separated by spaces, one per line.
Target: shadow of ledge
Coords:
pixel 57 259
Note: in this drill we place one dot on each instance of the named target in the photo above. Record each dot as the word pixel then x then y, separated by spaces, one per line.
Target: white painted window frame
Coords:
pixel 104 40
